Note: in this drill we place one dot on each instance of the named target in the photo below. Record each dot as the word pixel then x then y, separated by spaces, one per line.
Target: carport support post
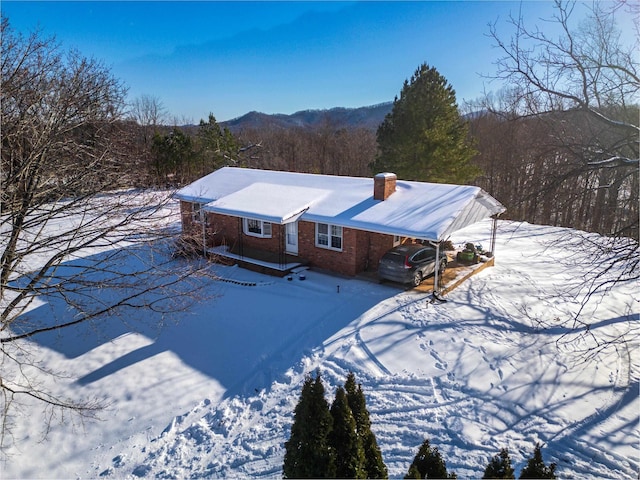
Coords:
pixel 494 229
pixel 203 219
pixel 436 278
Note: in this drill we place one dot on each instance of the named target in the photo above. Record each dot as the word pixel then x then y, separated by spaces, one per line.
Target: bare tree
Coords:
pixel 63 230
pixel 587 69
pixel 326 149
pixel 148 111
pixel 584 83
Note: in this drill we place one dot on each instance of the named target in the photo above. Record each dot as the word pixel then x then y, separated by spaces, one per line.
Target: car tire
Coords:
pixel 417 278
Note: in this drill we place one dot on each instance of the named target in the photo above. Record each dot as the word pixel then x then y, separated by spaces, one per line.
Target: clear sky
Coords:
pixel 229 58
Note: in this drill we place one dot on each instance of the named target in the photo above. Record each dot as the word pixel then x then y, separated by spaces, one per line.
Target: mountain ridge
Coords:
pixel 368 117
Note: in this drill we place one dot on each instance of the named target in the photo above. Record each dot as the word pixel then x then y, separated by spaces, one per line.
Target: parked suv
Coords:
pixel 410 263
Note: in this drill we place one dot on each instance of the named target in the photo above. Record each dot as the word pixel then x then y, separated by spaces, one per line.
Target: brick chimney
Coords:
pixel 384 184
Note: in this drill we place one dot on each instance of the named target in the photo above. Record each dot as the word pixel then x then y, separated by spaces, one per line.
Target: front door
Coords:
pixel 291 241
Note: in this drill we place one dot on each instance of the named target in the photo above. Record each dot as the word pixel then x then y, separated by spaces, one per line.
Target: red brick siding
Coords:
pixel 384 184
pixel 336 261
pixel 274 244
pixel 227 230
pixel 186 209
pixel 378 244
pixel 360 250
pixel 190 229
pixel 223 229
pixel 220 229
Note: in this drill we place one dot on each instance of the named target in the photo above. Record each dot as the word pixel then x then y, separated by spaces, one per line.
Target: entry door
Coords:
pixel 292 238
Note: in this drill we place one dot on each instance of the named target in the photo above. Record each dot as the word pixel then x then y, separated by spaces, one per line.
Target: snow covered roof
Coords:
pixel 268 202
pixel 428 211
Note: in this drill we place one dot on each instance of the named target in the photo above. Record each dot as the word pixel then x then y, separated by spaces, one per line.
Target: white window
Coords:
pixel 397 240
pixel 257 228
pixel 329 236
pixel 198 214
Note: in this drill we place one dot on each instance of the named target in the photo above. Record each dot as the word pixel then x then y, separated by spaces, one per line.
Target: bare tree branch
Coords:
pixel 570 135
pixel 72 230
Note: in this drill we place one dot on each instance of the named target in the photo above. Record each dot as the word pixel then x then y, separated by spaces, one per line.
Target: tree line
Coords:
pixel 545 168
pixel 558 145
pixel 337 442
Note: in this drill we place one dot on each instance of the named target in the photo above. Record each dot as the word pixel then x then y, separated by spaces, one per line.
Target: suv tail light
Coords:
pixel 407 265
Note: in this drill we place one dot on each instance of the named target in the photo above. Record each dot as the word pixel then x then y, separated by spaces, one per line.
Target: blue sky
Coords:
pixel 229 58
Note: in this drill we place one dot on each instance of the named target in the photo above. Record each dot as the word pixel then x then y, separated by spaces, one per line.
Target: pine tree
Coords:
pixel 308 453
pixel 499 466
pixel 424 137
pixel 218 147
pixel 344 439
pixel 428 463
pixel 536 467
pixel 374 465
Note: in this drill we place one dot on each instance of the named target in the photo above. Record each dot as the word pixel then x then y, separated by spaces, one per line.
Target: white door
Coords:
pixel 292 238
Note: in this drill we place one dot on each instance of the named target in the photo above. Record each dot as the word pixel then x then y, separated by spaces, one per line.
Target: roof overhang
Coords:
pixel 268 202
pixel 428 211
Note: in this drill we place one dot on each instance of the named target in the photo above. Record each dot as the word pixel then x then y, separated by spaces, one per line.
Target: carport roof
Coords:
pixel 428 211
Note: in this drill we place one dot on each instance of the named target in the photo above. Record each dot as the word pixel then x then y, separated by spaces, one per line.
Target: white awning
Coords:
pixel 268 202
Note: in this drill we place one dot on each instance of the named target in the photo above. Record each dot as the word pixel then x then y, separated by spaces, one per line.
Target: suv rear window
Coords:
pixel 396 256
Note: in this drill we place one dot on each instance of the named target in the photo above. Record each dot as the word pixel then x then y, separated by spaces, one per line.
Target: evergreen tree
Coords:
pixel 374 465
pixel 218 147
pixel 173 154
pixel 536 467
pixel 344 439
pixel 428 463
pixel 308 453
pixel 499 466
pixel 424 137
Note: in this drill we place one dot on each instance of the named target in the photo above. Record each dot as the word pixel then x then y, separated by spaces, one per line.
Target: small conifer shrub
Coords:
pixel 536 468
pixel 374 465
pixel 308 453
pixel 428 463
pixel 500 466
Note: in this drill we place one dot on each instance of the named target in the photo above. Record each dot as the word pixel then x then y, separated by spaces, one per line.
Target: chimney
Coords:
pixel 384 184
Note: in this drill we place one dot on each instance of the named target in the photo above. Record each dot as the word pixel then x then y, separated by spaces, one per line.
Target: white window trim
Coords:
pixel 265 228
pixel 329 236
pixel 198 214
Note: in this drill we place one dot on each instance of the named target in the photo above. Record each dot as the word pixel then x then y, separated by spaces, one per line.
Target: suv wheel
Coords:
pixel 417 278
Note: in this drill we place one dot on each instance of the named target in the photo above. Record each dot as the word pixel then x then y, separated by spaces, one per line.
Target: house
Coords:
pixel 340 224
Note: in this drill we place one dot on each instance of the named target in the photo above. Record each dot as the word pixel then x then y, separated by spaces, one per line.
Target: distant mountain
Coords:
pixel 363 117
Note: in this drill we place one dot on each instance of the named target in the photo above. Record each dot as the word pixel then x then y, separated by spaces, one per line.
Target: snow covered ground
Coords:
pixel 211 393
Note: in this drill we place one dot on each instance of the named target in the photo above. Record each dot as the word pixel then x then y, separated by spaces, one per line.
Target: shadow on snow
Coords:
pixel 243 337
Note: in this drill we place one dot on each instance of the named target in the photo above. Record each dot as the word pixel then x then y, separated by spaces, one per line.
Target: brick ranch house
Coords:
pixel 282 220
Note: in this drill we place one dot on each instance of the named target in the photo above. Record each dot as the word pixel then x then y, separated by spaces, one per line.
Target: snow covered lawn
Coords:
pixel 212 392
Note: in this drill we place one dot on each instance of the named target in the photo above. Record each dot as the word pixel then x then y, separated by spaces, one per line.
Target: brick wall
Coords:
pixel 343 262
pixel 226 230
pixel 191 230
pixel 384 184
pixel 360 250
pixel 378 246
pixel 186 209
pixel 223 230
pixel 274 244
